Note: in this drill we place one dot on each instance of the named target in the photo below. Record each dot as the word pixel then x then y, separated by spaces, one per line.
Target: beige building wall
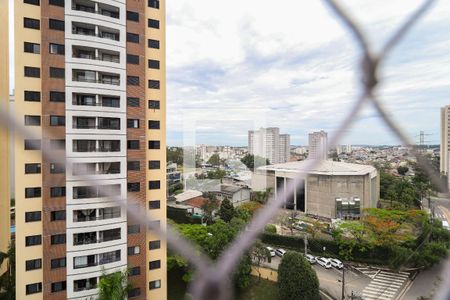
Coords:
pixel 4 136
pixel 159 154
pixel 445 141
pixel 22 157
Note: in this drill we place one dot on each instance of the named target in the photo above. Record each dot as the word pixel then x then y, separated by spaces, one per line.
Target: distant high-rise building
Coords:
pixel 445 140
pixel 318 145
pixel 270 144
pixel 90 85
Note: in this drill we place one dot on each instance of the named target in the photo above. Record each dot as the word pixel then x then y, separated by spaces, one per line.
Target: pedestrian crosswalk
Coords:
pixel 384 285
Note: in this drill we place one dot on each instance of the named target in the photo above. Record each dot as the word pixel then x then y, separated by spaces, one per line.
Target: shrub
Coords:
pixel 270 228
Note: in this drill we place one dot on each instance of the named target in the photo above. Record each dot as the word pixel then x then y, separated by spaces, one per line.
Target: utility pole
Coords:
pixel 305 237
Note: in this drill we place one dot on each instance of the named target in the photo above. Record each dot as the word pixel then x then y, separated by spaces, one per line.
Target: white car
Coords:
pixel 324 262
pixel 336 263
pixel 280 252
pixel 310 258
pixel 272 252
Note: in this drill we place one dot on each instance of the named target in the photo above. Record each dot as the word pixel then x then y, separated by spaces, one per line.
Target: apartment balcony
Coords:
pixel 96 123
pixel 90 215
pixel 95 31
pixel 102 168
pixel 89 192
pixel 96 8
pixel 85 284
pixel 95 100
pixel 87 238
pixel 95 54
pixel 80 262
pixel 95 77
pixel 91 146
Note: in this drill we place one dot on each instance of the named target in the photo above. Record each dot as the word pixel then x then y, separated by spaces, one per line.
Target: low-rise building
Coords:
pixel 330 190
pixel 236 194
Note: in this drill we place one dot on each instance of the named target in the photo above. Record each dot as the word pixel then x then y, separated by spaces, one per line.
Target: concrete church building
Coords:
pixel 331 190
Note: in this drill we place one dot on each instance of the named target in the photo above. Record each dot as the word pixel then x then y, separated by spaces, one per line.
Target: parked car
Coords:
pixel 336 263
pixel 310 258
pixel 324 262
pixel 271 250
pixel 280 252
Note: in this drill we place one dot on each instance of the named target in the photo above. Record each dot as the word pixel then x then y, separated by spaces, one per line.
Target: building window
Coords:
pixel 57 144
pixel 155 284
pixel 32 96
pixel 57 96
pixel 153 64
pixel 57 168
pixel 154 84
pixel 32 72
pixel 33 192
pixel 133 165
pixel 57 121
pixel 57 72
pixel 154 164
pixel 153 245
pixel 132 229
pixel 57 49
pixel 58 286
pixel 56 2
pixel 33 288
pixel 33 2
pixel 57 191
pixel 132 16
pixel 132 37
pixel 152 23
pixel 31 48
pixel 134 250
pixel 135 271
pixel 133 144
pixel 132 59
pixel 33 216
pixel 154 144
pixel 153 3
pixel 31 23
pixel 58 263
pixel 153 265
pixel 134 186
pixel 133 123
pixel 154 204
pixel 133 102
pixel 154 185
pixel 33 264
pixel 133 80
pixel 153 44
pixel 33 240
pixel 58 215
pixel 32 168
pixel 153 104
pixel 58 239
pixel 152 124
pixel 32 145
pixel 134 292
pixel 32 120
pixel 56 24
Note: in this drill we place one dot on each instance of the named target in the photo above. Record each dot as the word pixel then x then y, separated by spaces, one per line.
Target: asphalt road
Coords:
pixel 331 279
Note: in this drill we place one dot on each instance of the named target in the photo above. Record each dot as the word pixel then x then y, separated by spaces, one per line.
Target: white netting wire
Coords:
pixel 213 278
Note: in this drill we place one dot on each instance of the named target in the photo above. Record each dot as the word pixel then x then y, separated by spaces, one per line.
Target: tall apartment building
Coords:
pixel 90 82
pixel 445 141
pixel 318 145
pixel 4 133
pixel 270 144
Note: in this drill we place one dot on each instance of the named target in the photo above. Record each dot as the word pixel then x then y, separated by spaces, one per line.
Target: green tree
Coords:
pixel 226 210
pixel 402 170
pixel 216 174
pixel 259 255
pixel 214 160
pixel 253 162
pixel 296 278
pixel 209 207
pixel 175 154
pixel 8 279
pixel 114 286
pixel 270 228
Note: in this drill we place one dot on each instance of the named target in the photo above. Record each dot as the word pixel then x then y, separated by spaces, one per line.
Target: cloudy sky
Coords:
pixel 237 65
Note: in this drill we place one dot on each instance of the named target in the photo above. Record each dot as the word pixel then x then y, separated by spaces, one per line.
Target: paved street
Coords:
pixel 385 285
pixel 330 279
